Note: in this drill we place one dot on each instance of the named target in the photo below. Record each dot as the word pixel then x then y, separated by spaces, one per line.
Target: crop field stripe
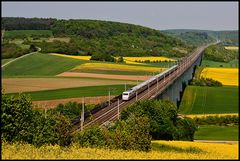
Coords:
pixel 86 91
pixel 209 100
pixel 210 132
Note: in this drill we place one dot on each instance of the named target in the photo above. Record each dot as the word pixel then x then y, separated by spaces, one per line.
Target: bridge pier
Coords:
pixel 175 91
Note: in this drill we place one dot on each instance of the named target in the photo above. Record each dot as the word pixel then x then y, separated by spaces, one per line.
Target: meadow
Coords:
pixel 209 100
pixel 215 64
pixel 86 91
pixel 160 150
pixel 39 64
pixel 208 132
pixel 113 68
pixel 227 76
pixel 12 85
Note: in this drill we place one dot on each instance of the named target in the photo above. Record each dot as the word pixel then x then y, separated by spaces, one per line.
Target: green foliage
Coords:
pixel 11 50
pixel 162 116
pixel 102 57
pixel 185 129
pixel 206 82
pixel 218 120
pixel 227 37
pixel 57 47
pixel 71 110
pixel 133 134
pixel 193 38
pixel 17 118
pixel 20 122
pixel 23 34
pixel 219 53
pixel 91 137
pixel 89 37
pixel 20 23
pixel 129 134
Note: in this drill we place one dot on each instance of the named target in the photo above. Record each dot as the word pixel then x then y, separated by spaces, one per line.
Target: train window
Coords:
pixel 125 93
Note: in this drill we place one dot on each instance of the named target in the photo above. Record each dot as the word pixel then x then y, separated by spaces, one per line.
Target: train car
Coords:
pixel 127 95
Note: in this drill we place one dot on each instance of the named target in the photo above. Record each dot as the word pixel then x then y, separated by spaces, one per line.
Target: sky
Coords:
pixel 157 15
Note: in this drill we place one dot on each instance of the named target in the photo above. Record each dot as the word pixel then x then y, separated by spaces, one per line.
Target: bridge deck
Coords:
pixel 111 112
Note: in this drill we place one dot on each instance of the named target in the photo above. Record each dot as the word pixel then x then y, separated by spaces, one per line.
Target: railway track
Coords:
pixel 111 113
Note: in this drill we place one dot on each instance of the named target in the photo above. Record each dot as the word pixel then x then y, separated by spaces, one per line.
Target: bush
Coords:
pixel 20 122
pixel 17 118
pixel 133 134
pixel 185 129
pixel 206 82
pixel 130 134
pixel 162 117
pixel 91 137
pixel 102 57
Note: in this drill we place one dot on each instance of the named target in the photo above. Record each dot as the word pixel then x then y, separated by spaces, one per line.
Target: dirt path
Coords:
pixel 38 49
pixel 54 103
pixel 110 76
pixel 217 141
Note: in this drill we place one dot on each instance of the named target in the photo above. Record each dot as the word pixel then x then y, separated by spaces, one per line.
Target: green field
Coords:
pixel 76 92
pixel 209 100
pixel 27 33
pixel 39 64
pixel 217 133
pixel 209 63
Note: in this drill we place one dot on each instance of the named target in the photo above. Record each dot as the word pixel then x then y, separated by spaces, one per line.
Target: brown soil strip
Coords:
pixel 110 76
pixel 53 103
pixel 12 85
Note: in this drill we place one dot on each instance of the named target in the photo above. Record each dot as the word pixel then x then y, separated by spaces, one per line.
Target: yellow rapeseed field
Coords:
pixel 227 76
pixel 231 47
pixel 166 150
pixel 150 58
pixel 72 56
pixel 119 67
pixel 204 115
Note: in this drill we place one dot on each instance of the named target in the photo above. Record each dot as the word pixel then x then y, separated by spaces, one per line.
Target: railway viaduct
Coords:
pixel 172 86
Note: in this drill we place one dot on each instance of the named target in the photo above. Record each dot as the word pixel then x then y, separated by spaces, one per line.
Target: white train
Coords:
pixel 127 95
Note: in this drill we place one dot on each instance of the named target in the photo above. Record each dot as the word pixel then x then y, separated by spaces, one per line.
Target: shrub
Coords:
pixel 133 134
pixel 185 129
pixel 162 117
pixel 20 122
pixel 17 118
pixel 206 82
pixel 91 137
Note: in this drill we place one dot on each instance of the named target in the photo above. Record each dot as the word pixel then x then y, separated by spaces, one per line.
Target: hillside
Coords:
pixel 193 38
pixel 227 37
pixel 92 37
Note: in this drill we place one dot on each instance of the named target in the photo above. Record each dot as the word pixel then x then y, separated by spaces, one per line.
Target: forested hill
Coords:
pixel 90 37
pixel 198 37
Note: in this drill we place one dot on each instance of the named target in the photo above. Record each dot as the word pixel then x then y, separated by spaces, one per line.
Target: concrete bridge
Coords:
pixel 172 86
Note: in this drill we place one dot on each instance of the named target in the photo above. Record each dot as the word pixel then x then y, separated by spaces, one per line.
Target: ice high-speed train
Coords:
pixel 127 95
